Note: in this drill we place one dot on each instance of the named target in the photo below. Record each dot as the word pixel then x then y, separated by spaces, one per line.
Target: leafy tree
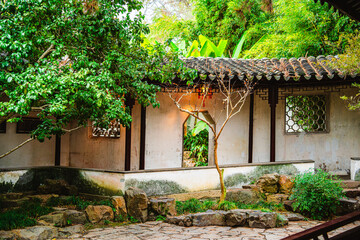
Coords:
pixel 279 28
pixel 77 60
pixel 301 28
pixel 349 63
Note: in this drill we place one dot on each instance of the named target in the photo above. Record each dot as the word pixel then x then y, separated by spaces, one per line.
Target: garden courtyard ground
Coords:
pixel 164 231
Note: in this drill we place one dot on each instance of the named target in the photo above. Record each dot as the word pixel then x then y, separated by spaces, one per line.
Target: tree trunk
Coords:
pixel 221 173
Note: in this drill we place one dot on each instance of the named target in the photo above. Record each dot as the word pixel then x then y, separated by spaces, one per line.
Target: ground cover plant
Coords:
pixel 317 194
pixel 24 216
pixel 194 205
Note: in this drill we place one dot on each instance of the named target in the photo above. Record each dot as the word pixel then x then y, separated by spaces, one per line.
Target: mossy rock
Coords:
pixel 286 169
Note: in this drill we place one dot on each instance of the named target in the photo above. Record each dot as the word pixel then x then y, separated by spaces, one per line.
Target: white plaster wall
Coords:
pixel 31 154
pixel 135 137
pixel 333 149
pixel 199 179
pixel 164 132
pixel 99 153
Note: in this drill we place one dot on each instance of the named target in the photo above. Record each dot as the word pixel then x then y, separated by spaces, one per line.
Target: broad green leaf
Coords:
pixel 239 46
pixel 200 125
pixel 195 53
pixel 222 46
pixel 194 45
pixel 205 50
pixel 173 46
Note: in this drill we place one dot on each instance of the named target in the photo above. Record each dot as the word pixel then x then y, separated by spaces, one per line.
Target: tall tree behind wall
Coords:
pixel 280 28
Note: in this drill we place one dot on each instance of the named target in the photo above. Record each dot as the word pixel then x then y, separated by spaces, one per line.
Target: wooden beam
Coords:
pixel 142 138
pixel 273 100
pixel 251 129
pixel 129 103
pixel 57 150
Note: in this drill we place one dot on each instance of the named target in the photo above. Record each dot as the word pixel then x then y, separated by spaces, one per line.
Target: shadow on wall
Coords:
pixel 238 179
pixel 33 178
pixel 156 187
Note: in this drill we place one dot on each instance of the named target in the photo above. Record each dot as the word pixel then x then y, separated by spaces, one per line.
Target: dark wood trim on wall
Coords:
pixel 142 138
pixel 129 103
pixel 57 149
pixel 273 100
pixel 251 129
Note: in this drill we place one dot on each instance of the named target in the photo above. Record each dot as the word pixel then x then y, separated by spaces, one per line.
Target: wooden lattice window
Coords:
pixel 113 131
pixel 3 127
pixel 27 125
pixel 306 113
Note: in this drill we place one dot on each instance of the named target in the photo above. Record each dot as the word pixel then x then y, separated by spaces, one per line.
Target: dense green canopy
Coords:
pixel 77 60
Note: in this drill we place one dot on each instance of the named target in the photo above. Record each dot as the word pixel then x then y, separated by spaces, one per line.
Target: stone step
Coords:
pixel 352 193
pixel 350 184
pixel 341 174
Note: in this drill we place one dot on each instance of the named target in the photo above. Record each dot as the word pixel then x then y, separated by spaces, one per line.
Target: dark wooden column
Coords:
pixel 57 149
pixel 142 138
pixel 251 129
pixel 273 100
pixel 129 103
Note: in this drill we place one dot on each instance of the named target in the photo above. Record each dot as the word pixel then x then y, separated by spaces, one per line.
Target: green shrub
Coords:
pixel 316 194
pixel 14 219
pixel 226 205
pixel 24 216
pixel 190 206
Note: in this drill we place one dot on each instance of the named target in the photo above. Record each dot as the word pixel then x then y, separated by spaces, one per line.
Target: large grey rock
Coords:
pixel 184 220
pixel 7 235
pixel 352 193
pixel 236 217
pixel 286 184
pixel 277 198
pixel 293 216
pixel 120 205
pixel 57 219
pixel 281 220
pixel 209 218
pixel 268 183
pixel 162 206
pixel 75 217
pixel 36 233
pixel 71 230
pixel 347 206
pixel 137 203
pixel 246 196
pixel 258 219
pixel 100 213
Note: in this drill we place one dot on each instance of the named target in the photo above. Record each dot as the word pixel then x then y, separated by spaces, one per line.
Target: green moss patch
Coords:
pixel 155 187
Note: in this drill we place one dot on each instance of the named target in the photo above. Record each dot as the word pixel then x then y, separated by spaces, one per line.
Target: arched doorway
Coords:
pixel 198 141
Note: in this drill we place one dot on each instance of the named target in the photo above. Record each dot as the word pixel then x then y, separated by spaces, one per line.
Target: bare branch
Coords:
pixel 31 139
pixel 50 49
pixel 17 147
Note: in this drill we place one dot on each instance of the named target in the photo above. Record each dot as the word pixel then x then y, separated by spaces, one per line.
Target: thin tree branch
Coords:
pixel 17 147
pixel 31 139
pixel 50 49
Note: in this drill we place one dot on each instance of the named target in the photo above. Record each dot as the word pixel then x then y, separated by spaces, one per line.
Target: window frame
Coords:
pixel 327 113
pixel 18 131
pixel 3 126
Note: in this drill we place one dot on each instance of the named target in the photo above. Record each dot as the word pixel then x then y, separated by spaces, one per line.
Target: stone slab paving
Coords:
pixel 165 231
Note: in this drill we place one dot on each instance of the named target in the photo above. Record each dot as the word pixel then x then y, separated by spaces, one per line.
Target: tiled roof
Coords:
pixel 303 68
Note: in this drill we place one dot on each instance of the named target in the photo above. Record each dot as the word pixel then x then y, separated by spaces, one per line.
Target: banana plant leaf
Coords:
pixel 200 125
pixel 239 46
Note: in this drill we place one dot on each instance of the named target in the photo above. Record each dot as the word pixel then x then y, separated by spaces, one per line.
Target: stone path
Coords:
pixel 165 231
